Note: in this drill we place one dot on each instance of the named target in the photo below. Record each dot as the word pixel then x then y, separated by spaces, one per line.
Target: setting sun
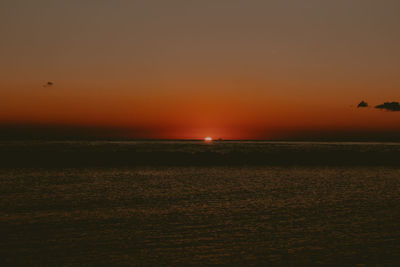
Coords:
pixel 208 139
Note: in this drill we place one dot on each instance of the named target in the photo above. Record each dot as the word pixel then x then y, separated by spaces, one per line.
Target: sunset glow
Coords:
pixel 183 132
pixel 178 77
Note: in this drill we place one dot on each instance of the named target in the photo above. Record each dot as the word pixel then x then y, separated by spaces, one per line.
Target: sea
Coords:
pixel 195 203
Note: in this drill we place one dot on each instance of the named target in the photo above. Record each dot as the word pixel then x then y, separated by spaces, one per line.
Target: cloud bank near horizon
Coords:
pixel 389 106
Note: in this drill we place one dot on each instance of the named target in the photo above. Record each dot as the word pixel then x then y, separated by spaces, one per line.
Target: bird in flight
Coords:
pixel 48 84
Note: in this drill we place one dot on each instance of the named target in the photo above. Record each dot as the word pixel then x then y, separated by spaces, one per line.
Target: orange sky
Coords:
pixel 186 69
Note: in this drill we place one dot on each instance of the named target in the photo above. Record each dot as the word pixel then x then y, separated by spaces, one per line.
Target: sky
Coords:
pixel 184 69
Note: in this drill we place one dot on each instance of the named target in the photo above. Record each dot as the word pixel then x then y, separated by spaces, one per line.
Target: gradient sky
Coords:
pixel 238 69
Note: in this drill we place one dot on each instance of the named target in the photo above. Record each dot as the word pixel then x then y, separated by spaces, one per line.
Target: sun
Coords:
pixel 208 139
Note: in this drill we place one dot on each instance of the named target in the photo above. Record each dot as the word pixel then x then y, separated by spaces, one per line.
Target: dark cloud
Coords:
pixel 362 104
pixel 390 106
pixel 48 84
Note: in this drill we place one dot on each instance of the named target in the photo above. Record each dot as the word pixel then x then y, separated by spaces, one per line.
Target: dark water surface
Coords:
pixel 196 153
pixel 200 212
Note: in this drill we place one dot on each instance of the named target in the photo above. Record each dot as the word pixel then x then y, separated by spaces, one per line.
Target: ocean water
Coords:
pixel 192 203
